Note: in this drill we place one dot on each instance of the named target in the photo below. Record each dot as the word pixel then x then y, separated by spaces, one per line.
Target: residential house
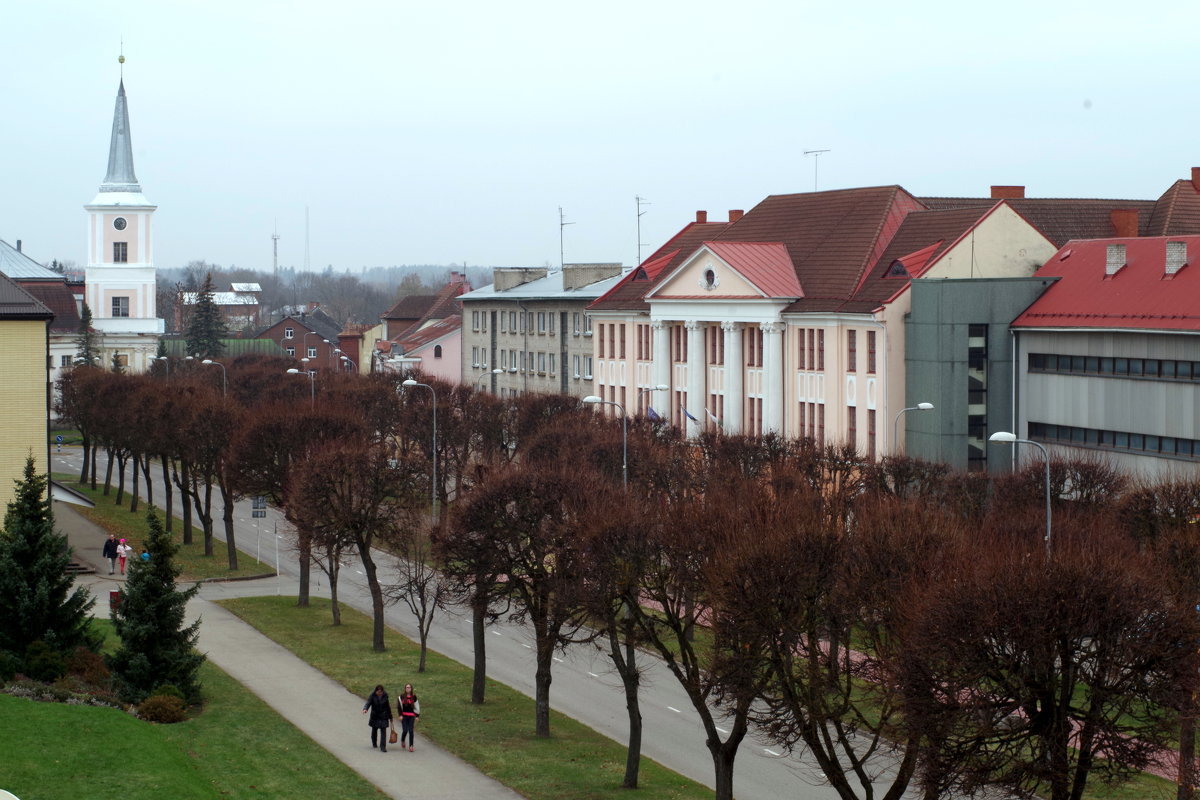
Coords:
pixel 25 395
pixel 310 336
pixel 533 326
pixel 241 307
pixel 53 291
pixel 432 342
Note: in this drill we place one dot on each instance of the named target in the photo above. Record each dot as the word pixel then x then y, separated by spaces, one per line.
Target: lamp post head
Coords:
pixel 591 398
pixel 924 406
pixel 410 382
pixel 1003 437
pixel 497 371
pixel 662 387
pixel 207 361
pixel 293 371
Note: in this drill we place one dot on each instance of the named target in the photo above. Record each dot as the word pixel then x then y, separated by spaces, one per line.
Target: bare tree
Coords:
pixel 420 584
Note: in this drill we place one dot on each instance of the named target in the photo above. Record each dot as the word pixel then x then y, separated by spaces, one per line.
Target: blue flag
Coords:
pixel 686 414
pixel 652 415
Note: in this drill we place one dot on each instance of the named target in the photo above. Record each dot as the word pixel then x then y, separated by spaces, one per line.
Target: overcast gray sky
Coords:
pixel 440 132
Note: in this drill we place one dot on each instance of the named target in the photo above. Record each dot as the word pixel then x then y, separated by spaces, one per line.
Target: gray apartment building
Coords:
pixel 530 331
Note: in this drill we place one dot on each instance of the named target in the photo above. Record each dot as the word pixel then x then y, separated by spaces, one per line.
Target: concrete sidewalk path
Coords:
pixel 317 705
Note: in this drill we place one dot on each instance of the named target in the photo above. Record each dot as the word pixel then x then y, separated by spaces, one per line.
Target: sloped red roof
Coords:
pixel 430 333
pixel 1177 211
pixel 412 307
pixel 60 299
pixel 1138 296
pixel 1062 219
pixel 765 264
pixel 922 236
pixel 629 293
pixel 832 237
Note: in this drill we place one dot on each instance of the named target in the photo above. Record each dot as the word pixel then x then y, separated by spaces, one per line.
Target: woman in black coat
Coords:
pixel 381 716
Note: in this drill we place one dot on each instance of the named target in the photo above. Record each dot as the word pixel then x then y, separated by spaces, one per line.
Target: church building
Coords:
pixel 120 273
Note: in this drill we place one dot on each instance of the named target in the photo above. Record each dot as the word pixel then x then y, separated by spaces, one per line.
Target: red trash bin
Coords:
pixel 114 599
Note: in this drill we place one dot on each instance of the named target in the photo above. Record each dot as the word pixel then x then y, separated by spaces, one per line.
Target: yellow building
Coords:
pixel 24 385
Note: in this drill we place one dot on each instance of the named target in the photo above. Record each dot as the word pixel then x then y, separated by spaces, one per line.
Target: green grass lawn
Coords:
pixel 496 737
pixel 237 747
pixel 196 566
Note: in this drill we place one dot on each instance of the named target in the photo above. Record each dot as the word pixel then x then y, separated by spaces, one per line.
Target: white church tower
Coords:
pixel 120 276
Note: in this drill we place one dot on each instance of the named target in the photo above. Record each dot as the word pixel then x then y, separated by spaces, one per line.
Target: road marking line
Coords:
pixel 771 752
pixel 559 660
pixel 722 730
pixel 594 675
pixel 527 646
pixel 498 633
pixel 676 710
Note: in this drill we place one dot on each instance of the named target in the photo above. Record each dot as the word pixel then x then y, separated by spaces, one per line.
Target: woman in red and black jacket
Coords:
pixel 410 710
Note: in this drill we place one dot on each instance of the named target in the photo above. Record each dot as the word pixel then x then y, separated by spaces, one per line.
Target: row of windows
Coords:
pixel 541 322
pixel 1115 440
pixel 1149 368
pixel 521 361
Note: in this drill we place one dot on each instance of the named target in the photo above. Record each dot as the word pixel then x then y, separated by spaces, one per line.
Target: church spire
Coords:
pixel 120 177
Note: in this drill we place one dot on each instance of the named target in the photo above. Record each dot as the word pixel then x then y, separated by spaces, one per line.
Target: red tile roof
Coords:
pixel 60 299
pixel 412 307
pixel 1138 296
pixel 1177 212
pixel 430 333
pixel 630 292
pixel 765 264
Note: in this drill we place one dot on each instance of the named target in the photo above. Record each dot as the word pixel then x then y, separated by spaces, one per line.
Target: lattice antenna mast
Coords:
pixel 562 223
pixel 641 201
pixel 816 154
pixel 275 249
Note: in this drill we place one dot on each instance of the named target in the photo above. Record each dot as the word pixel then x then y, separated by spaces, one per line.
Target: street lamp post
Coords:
pixel 304 340
pixel 434 509
pixel 1004 437
pixel 896 422
pixel 662 387
pixel 594 400
pixel 166 364
pixel 312 384
pixel 224 382
pixel 479 380
pixel 349 361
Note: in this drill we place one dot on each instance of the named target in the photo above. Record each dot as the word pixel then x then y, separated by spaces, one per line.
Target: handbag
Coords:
pixel 392 737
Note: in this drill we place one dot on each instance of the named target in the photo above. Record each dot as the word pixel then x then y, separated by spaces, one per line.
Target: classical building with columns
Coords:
pixel 120 276
pixel 790 318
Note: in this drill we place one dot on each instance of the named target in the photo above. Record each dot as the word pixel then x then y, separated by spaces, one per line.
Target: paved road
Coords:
pixel 585 686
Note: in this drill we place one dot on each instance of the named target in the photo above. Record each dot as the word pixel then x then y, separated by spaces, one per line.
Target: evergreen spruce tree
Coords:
pixel 36 598
pixel 156 648
pixel 86 348
pixel 206 328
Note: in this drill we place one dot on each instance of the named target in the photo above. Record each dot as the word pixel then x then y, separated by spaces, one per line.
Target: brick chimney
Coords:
pixel 1008 192
pixel 1196 178
pixel 735 214
pixel 1124 222
pixel 701 217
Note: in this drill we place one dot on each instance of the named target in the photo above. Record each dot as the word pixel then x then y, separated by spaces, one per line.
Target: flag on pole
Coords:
pixel 683 408
pixel 652 415
pixel 713 417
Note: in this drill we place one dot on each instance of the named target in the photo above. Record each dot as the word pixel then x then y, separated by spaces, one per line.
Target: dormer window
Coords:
pixel 897 270
pixel 1176 257
pixel 1114 259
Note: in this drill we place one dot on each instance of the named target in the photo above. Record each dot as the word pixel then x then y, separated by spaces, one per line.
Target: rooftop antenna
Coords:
pixel 641 201
pixel 121 59
pixel 275 254
pixel 562 223
pixel 816 154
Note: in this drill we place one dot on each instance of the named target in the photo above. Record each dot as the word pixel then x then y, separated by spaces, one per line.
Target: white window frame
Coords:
pixel 289 333
pixel 575 366
pixel 312 352
pixel 575 324
pixel 587 366
pixel 291 351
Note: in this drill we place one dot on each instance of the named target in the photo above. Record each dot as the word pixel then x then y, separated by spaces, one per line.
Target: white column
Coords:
pixel 695 362
pixel 735 371
pixel 661 365
pixel 772 376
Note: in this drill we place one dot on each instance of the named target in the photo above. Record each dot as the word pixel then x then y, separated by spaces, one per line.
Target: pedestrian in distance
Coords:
pixel 110 552
pixel 410 711
pixel 123 553
pixel 380 719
